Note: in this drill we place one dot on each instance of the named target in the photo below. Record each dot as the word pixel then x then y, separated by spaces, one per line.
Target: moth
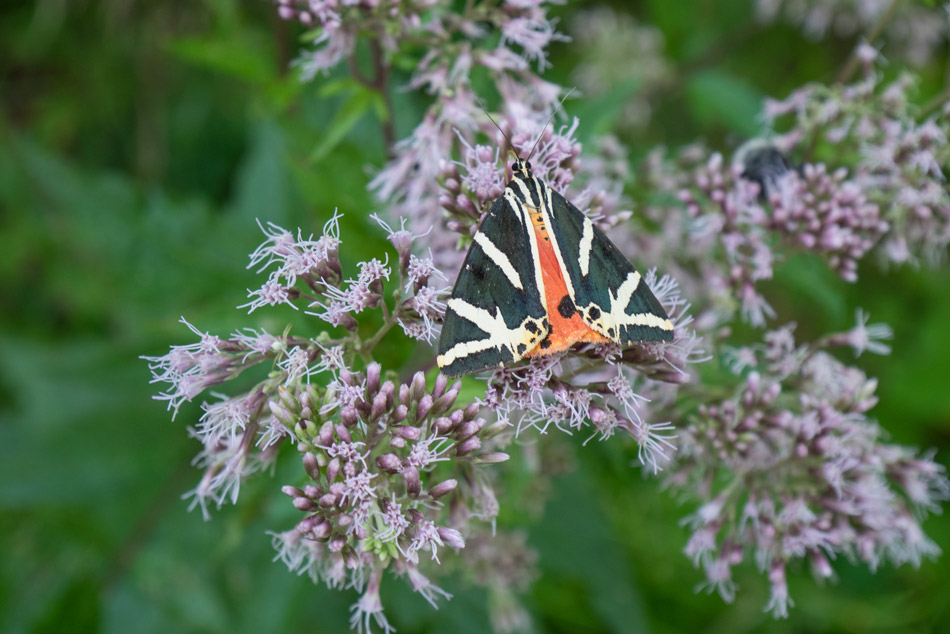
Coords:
pixel 539 278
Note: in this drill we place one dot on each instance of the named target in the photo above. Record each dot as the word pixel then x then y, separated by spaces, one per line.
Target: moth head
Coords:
pixel 521 168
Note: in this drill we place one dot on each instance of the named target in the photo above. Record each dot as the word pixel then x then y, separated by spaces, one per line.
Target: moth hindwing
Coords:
pixel 538 278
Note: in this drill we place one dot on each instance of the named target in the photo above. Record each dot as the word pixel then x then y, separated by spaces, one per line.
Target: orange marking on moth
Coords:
pixel 565 331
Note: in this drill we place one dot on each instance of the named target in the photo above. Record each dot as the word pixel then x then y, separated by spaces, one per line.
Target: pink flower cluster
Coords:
pixel 791 467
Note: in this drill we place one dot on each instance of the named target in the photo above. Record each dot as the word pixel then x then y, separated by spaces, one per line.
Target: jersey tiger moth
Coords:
pixel 539 278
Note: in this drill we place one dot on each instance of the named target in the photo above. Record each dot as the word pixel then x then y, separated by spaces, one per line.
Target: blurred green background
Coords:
pixel 138 143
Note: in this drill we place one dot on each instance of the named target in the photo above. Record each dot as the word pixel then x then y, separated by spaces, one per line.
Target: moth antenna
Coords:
pixel 546 123
pixel 492 119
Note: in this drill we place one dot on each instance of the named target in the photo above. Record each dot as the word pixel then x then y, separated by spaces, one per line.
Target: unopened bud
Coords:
pixel 311 466
pixel 304 504
pixel 444 425
pixel 342 433
pixel 322 530
pixel 389 462
pixel 336 543
pixel 418 385
pixel 468 446
pixel 333 469
pixel 471 411
pixel 291 491
pixel 408 432
pixel 399 414
pixel 492 457
pixel 425 404
pixel 379 406
pixel 326 434
pixel 441 382
pixel 472 427
pixel 443 488
pixel 349 416
pixel 373 371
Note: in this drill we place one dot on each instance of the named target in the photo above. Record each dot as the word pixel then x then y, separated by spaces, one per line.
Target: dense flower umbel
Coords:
pixel 897 160
pixel 377 496
pixel 791 467
pixel 388 465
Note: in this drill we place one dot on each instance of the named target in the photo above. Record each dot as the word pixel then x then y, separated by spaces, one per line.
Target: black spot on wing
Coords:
pixel 566 307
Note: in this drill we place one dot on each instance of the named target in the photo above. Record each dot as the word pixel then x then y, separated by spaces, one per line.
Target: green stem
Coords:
pixel 852 64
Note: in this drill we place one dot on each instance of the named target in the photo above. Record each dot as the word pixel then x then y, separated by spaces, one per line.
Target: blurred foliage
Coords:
pixel 138 143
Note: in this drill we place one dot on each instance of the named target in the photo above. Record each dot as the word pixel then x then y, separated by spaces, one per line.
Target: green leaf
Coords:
pixel 717 98
pixel 344 120
pixel 601 115
pixel 228 56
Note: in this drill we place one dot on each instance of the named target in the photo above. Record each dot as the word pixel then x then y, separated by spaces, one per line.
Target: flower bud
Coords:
pixel 399 414
pixel 472 427
pixel 304 504
pixel 281 413
pixel 321 530
pixel 443 488
pixel 333 469
pixel 288 398
pixel 445 401
pixel 291 491
pixel 326 434
pixel 349 416
pixel 468 446
pixel 418 385
pixel 425 405
pixel 389 389
pixel 412 480
pixel 492 457
pixel 396 442
pixel 408 432
pixel 379 406
pixel 404 393
pixel 311 466
pixel 336 543
pixel 501 426
pixel 342 433
pixel 307 524
pixel 441 382
pixel 305 429
pixel 443 425
pixel 328 500
pixel 373 371
pixel 389 463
